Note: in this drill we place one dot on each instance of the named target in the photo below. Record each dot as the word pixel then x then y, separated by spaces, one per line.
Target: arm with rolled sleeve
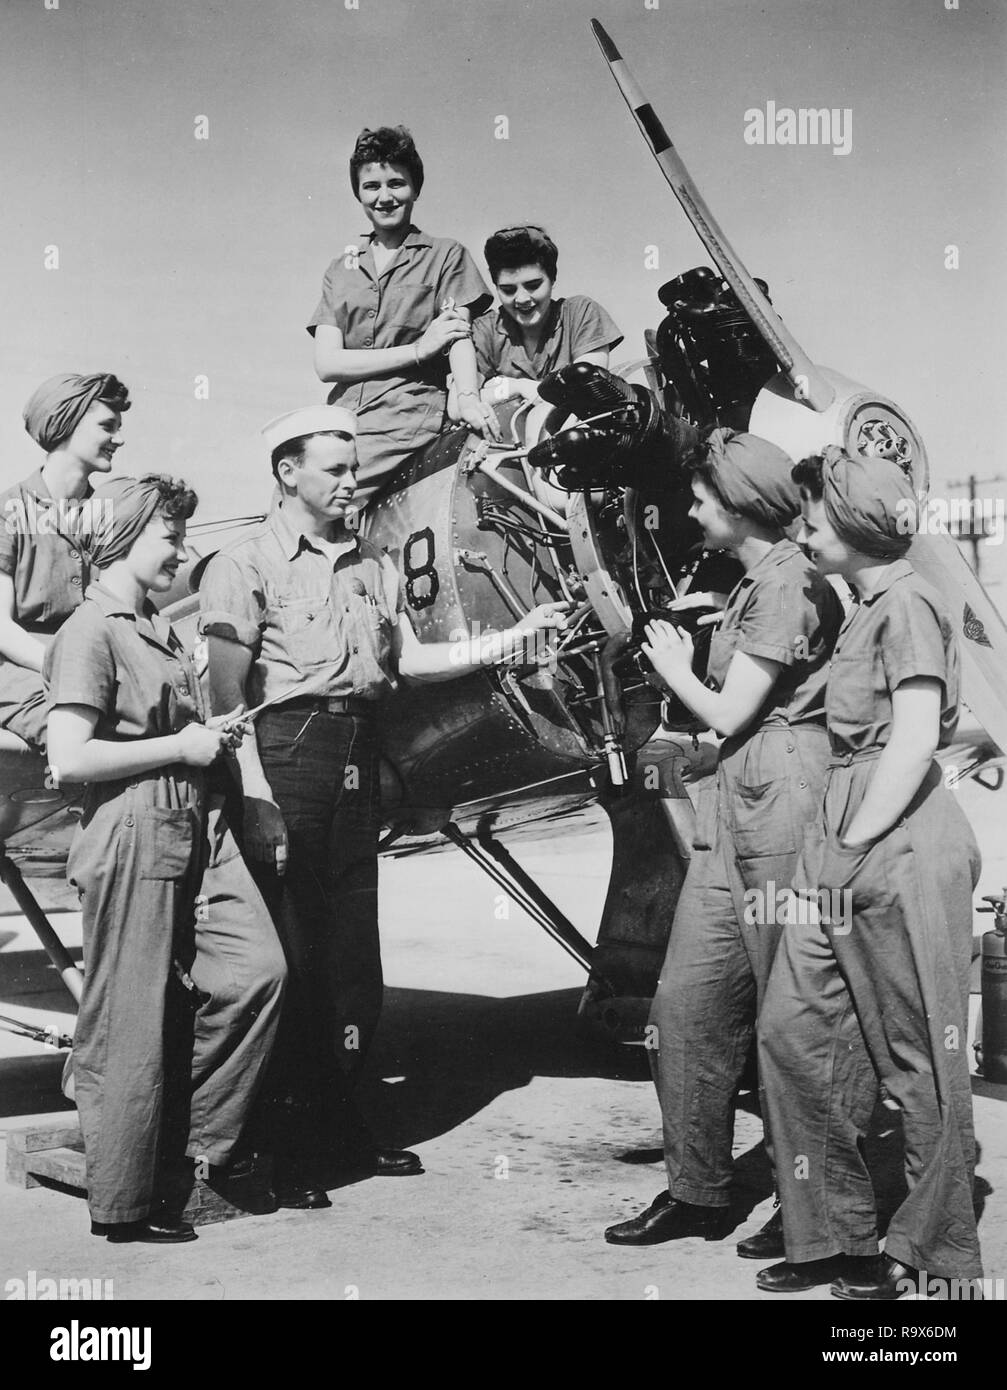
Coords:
pixel 916 651
pixel 231 618
pixel 593 331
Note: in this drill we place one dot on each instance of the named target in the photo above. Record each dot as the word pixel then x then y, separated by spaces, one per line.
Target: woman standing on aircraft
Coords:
pixel 885 998
pixel 532 334
pixel 757 826
pixel 44 572
pixel 156 1074
pixel 392 312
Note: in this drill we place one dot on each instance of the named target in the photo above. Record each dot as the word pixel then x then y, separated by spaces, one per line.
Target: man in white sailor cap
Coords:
pixel 303 612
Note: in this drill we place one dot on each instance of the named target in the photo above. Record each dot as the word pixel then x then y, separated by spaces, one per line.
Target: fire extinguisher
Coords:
pixel 993 1029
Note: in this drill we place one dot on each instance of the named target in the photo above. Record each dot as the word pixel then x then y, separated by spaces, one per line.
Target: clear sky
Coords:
pixel 181 257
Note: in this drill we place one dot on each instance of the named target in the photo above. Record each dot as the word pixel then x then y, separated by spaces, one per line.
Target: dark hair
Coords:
pixel 114 393
pixel 695 462
pixel 178 501
pixel 386 145
pixel 512 247
pixel 293 449
pixel 808 475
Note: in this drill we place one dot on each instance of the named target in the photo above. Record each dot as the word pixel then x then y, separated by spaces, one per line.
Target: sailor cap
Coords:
pixel 313 419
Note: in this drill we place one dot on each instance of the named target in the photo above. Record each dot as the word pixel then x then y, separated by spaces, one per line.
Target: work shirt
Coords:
pixel 135 672
pixel 318 624
pixel 39 549
pixel 573 327
pixel 397 412
pixel 903 629
pixel 781 610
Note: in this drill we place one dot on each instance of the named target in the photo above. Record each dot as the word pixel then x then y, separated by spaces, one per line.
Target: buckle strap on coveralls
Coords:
pixel 857 755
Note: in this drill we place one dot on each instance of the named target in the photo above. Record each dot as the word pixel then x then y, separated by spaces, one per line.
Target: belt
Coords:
pixel 333 704
pixel 858 755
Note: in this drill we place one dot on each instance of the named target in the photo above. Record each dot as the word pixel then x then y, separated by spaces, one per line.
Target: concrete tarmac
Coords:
pixel 522 1121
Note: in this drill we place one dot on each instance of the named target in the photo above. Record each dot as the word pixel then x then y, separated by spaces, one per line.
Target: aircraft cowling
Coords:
pixel 499 733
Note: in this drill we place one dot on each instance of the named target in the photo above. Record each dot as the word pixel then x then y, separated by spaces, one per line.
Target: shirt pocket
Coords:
pixel 408 309
pixel 165 839
pixel 852 694
pixel 304 627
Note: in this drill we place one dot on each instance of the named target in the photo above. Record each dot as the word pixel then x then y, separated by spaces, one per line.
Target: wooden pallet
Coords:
pixel 40 1155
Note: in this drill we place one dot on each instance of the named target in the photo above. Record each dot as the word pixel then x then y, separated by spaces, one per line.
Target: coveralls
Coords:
pixel 576 325
pixel 884 998
pixel 39 549
pixel 317 616
pixel 397 412
pixel 757 833
pixel 138 861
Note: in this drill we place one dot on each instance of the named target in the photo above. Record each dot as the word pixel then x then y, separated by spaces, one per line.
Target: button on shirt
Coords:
pixel 782 610
pixel 574 327
pixel 901 630
pixel 318 623
pixel 39 549
pixel 399 412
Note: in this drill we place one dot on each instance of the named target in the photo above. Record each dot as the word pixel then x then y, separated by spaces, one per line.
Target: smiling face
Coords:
pixel 387 194
pixel 97 437
pixel 721 529
pixel 526 294
pixel 325 482
pixel 157 553
pixel 829 553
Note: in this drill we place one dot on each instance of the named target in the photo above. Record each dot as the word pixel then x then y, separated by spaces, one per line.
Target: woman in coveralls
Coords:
pixel 394 313
pixel 44 571
pixel 883 997
pixel 757 825
pixel 127 720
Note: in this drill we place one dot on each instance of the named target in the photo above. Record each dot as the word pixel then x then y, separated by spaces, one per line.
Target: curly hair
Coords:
pixel 386 145
pixel 513 247
pixel 114 393
pixel 178 501
pixel 808 475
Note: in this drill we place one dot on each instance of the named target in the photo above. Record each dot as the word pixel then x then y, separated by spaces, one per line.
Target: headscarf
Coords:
pixel 753 477
pixel 870 503
pixel 58 406
pixel 120 510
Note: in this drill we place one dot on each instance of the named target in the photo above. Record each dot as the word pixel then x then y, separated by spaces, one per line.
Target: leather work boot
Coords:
pixel 878 1281
pixel 668 1219
pixel 766 1243
pixel 810 1274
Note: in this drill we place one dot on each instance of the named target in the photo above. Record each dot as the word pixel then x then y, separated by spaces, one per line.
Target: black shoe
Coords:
pixel 767 1243
pixel 302 1198
pixel 878 1281
pixel 668 1219
pixel 788 1278
pixel 394 1163
pixel 161 1231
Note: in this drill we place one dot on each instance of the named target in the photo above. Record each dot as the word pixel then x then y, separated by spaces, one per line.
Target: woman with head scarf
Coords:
pixel 395 316
pixel 156 1076
pixel 757 825
pixel 882 997
pixel 44 572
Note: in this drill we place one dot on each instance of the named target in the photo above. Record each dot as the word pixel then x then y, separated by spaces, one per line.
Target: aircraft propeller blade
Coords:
pixel 808 382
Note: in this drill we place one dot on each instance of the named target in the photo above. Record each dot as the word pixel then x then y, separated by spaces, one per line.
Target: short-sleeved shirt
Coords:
pixel 39 549
pixel 901 630
pixel 574 327
pixel 133 670
pixel 398 412
pixel 782 610
pixel 318 623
